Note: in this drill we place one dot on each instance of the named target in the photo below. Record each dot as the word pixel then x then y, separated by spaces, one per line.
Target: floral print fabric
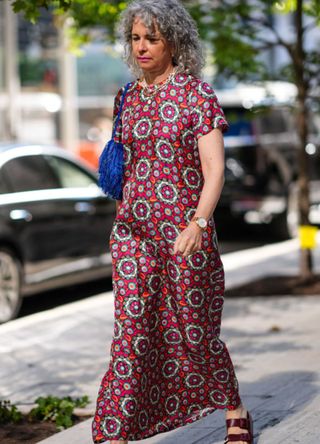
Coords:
pixel 168 365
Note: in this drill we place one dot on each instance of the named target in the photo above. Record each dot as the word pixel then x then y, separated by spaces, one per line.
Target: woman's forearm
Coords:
pixel 211 149
pixel 210 195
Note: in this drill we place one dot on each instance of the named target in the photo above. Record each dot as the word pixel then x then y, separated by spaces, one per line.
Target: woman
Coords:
pixel 168 366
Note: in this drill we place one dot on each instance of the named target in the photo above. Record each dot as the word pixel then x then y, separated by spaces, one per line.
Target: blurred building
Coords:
pixel 47 94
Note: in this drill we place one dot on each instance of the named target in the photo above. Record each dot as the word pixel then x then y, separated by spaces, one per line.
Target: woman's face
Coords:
pixel 150 49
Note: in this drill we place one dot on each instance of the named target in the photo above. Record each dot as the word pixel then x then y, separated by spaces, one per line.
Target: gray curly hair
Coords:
pixel 175 25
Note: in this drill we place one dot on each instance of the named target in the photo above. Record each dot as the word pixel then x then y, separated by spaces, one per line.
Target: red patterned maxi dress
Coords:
pixel 168 367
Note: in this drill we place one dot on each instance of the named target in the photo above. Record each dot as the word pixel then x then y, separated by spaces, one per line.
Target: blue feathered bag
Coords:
pixel 111 161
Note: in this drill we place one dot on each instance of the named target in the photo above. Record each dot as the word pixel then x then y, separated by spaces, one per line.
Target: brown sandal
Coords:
pixel 242 423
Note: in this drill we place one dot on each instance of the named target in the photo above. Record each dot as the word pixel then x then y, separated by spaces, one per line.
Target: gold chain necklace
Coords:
pixel 150 91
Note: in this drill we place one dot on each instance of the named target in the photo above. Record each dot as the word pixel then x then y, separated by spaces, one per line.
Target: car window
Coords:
pixel 240 121
pixel 243 121
pixel 3 185
pixel 69 174
pixel 273 121
pixel 28 173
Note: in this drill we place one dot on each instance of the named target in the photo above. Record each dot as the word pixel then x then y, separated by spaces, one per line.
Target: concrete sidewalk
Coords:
pixel 274 344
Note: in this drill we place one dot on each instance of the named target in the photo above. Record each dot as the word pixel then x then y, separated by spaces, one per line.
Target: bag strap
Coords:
pixel 120 109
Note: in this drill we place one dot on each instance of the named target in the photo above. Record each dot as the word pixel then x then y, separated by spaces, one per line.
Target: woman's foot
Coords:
pixel 118 442
pixel 239 423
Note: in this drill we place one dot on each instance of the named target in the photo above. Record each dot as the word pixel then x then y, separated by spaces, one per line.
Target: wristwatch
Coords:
pixel 200 221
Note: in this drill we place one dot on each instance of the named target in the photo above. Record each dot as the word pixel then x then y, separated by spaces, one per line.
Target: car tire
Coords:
pixel 10 285
pixel 286 225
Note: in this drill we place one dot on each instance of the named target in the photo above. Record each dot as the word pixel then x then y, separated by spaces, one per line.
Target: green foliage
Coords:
pixel 285 6
pixel 58 410
pixel 310 7
pixel 9 413
pixel 31 9
pixel 93 14
pixel 239 31
pixel 85 14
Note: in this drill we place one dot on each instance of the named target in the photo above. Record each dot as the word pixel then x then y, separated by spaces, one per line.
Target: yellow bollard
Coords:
pixel 308 237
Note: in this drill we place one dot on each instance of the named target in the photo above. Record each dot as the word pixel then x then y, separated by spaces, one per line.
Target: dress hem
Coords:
pixel 172 426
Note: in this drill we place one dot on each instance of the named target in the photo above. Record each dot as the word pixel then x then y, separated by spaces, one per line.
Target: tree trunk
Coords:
pixel 303 130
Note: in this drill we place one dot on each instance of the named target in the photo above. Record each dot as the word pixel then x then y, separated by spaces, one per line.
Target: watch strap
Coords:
pixel 196 219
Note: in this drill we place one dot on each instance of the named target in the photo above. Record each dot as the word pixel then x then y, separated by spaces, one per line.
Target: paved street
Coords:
pixel 273 341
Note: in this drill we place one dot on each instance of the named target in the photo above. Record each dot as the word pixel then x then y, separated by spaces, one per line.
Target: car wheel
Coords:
pixel 10 285
pixel 286 226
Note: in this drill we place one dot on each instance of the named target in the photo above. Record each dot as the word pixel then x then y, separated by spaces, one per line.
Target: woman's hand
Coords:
pixel 188 241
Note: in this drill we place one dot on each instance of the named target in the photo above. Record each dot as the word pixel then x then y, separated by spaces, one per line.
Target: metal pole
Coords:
pixel 11 76
pixel 69 122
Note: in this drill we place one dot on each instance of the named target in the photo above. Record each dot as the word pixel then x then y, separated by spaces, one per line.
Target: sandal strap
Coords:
pixel 246 437
pixel 242 423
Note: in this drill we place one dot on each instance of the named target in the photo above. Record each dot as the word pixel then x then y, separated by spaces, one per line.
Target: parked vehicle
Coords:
pixel 261 158
pixel 54 223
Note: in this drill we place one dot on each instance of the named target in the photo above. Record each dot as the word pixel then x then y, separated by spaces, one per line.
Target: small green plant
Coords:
pixel 9 413
pixel 58 410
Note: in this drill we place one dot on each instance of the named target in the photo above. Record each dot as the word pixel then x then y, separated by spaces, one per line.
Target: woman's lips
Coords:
pixel 144 59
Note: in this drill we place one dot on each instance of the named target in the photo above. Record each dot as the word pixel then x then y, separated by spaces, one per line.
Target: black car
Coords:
pixel 54 223
pixel 261 158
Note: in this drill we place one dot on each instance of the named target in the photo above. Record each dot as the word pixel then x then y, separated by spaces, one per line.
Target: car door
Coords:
pixel 93 213
pixel 59 216
pixel 32 216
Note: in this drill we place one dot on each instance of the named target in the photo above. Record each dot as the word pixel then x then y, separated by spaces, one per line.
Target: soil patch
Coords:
pixel 29 432
pixel 278 286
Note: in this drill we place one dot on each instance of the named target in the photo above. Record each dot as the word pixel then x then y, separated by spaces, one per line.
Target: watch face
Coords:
pixel 202 222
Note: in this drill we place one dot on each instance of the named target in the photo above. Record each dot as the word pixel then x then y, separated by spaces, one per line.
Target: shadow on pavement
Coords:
pixel 271 400
pixel 274 285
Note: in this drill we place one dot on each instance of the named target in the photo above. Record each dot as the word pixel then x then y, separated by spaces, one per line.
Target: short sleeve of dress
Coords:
pixel 206 113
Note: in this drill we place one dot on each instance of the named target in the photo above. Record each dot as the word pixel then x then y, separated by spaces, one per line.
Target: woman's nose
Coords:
pixel 142 45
